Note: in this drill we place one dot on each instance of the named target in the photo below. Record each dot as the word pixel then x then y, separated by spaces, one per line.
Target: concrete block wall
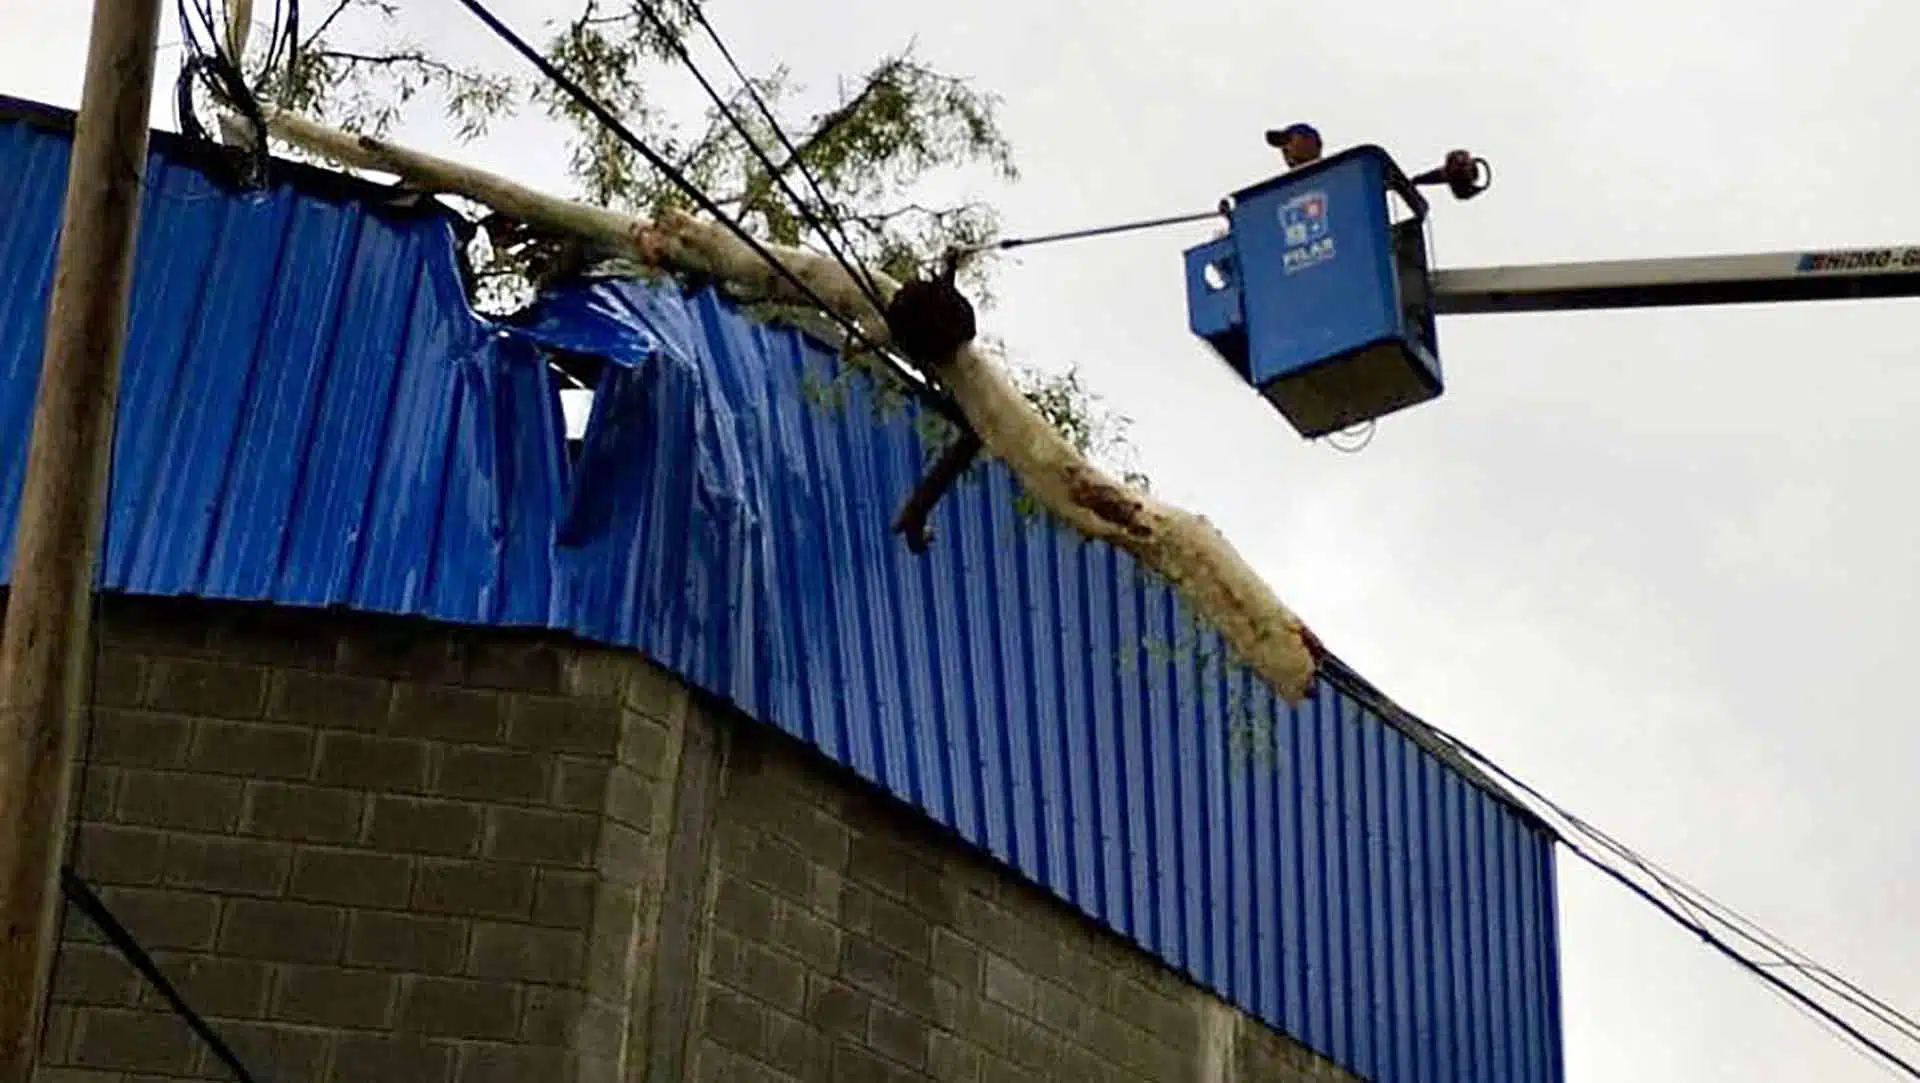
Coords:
pixel 377 850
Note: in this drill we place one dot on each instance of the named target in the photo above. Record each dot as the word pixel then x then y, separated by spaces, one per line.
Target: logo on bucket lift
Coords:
pixel 1303 226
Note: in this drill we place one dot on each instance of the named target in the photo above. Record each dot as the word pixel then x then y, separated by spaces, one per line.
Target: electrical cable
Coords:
pixel 916 382
pixel 1692 899
pixel 1338 674
pixel 83 898
pixel 208 63
pixel 793 153
pixel 1101 231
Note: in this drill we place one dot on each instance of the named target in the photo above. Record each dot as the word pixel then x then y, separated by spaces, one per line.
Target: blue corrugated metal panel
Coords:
pixel 311 415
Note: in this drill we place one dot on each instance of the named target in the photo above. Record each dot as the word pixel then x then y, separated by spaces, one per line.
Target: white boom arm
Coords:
pixel 1705 280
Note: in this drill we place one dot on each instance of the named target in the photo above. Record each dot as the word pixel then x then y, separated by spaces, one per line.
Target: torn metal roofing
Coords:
pixel 312 415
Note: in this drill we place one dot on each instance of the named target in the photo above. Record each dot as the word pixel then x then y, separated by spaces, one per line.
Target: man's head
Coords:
pixel 1299 144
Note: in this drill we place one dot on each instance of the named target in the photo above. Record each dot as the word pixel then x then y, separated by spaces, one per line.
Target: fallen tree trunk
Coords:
pixel 1184 548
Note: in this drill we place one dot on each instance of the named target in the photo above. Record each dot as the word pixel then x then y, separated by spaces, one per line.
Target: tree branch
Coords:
pixel 413 58
pixel 327 23
pixel 1184 548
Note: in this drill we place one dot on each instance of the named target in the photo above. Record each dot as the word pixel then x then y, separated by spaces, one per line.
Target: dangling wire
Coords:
pixel 210 64
pixel 1361 435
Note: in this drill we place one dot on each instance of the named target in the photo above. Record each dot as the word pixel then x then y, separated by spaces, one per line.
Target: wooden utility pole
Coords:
pixel 43 656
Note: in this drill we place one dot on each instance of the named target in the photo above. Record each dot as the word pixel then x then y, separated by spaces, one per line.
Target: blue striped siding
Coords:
pixel 312 416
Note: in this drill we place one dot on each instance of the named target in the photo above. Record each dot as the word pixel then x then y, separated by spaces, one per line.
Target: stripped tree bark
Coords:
pixel 1184 548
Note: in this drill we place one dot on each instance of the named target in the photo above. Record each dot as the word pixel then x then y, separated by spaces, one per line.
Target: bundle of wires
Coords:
pixel 210 64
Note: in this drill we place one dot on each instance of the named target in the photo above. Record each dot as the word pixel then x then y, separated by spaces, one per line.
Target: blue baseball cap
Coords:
pixel 1277 136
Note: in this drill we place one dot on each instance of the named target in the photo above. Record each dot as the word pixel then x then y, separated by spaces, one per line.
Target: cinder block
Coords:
pixel 490 1063
pixel 655 692
pixel 288 932
pixel 494 774
pixel 813 939
pixel 564 900
pixel 226 865
pixel 85 974
pixel 736 1022
pixel 1007 984
pixel 774 977
pixel 425 945
pixel 796 1049
pixel 626 855
pixel 958 959
pixel 379 764
pixel 540 837
pixel 110 854
pixel 118 679
pixel 161 919
pixel 377 1058
pixel 565 724
pixel 415 652
pixel 132 1041
pixel 857 1064
pixel 330 996
pixel 899 1036
pixel 303 813
pixel 421 826
pixel 877 862
pixel 744 907
pixel 647 744
pixel 254 750
pixel 778 867
pixel 514 663
pixel 351 878
pixel 900 929
pixel 271 1051
pixel 580 783
pixel 285 637
pixel 126 738
pixel 176 800
pixel 216 987
pixel 450 1008
pixel 474 889
pixel 635 800
pixel 328 700
pixel 207 688
pixel 952 1059
pixel 837 1008
pixel 448 714
pixel 527 953
pixel 550 1015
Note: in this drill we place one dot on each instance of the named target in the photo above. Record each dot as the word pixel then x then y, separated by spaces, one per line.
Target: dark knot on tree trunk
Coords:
pixel 929 320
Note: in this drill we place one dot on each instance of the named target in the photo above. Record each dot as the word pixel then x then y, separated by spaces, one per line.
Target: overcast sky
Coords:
pixel 1665 564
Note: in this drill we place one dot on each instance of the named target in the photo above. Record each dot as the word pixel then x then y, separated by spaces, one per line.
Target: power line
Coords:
pixel 209 62
pixel 866 285
pixel 798 160
pixel 1343 677
pixel 918 383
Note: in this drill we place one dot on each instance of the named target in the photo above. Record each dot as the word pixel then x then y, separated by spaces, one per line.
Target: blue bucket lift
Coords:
pixel 1320 295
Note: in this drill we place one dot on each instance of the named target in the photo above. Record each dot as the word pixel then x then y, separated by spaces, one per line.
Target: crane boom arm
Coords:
pixel 1704 280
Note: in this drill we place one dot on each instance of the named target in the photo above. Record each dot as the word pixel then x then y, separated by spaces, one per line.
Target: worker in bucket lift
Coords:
pixel 1463 174
pixel 1299 144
